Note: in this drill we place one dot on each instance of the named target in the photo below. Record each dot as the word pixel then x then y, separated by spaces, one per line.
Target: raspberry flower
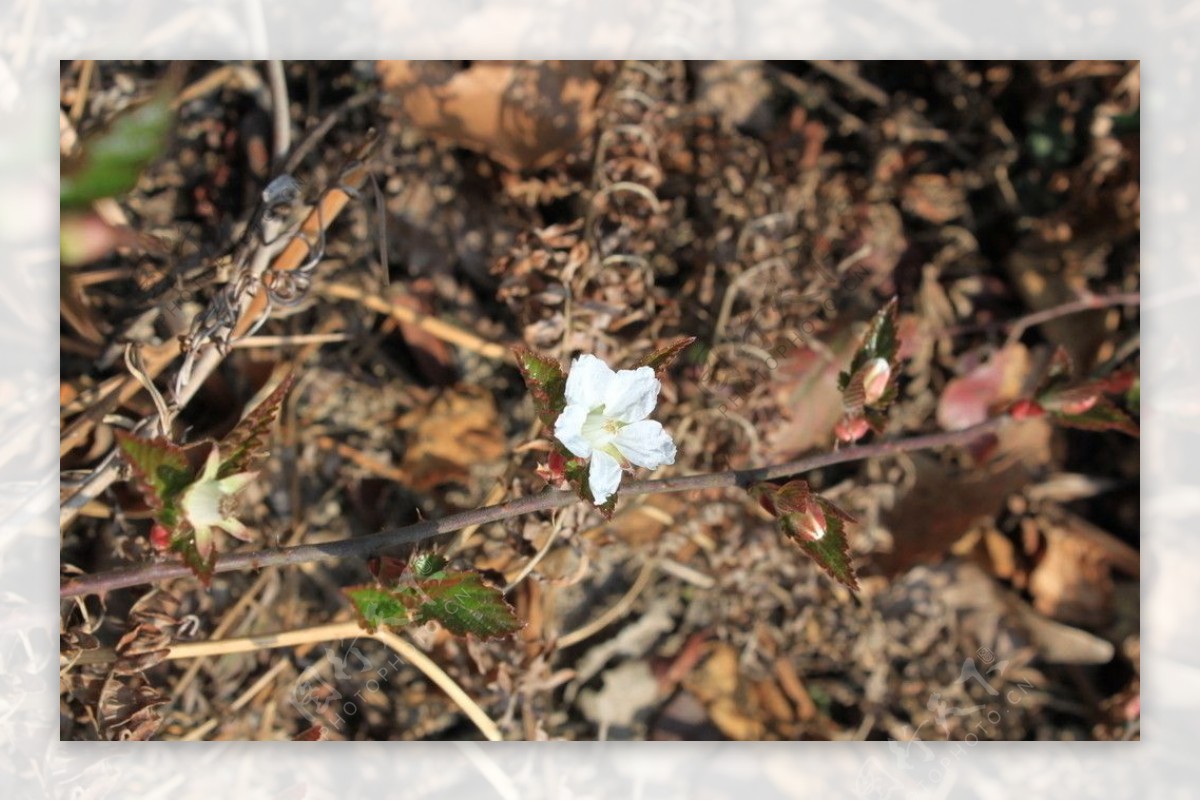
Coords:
pixel 605 421
pixel 210 502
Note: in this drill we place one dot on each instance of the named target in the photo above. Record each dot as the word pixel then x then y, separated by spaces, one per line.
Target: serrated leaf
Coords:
pixel 112 159
pixel 576 472
pixel 378 608
pixel 868 387
pixel 464 604
pixel 184 543
pixel 662 358
pixel 247 441
pixel 547 384
pixel 816 525
pixel 880 342
pixel 161 468
pixel 1102 416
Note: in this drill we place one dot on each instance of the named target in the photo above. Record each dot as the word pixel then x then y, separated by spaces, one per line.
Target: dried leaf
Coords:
pixel 524 115
pixel 458 431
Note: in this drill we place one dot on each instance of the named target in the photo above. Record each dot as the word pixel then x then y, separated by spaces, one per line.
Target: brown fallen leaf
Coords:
pixel 945 501
pixel 1072 581
pixel 718 684
pixel 523 114
pixel 459 430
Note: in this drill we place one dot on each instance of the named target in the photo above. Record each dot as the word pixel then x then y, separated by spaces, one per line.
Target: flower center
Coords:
pixel 599 429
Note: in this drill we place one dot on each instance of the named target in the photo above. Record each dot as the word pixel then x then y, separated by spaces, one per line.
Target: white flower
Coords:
pixel 605 421
pixel 209 503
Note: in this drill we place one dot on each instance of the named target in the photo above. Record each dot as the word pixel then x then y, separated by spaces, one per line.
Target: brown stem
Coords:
pixel 388 538
pixel 1020 325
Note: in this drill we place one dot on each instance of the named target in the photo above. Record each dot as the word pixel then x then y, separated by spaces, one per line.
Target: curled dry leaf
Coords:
pixel 523 114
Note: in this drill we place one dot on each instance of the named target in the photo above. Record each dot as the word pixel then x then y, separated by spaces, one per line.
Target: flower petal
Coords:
pixel 631 395
pixel 587 380
pixel 646 444
pixel 568 429
pixel 203 540
pixel 211 465
pixel 231 485
pixel 604 476
pixel 236 528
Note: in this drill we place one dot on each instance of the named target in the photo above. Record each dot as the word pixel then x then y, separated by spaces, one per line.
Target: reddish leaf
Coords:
pixel 662 358
pixel 813 523
pixel 201 564
pixel 546 382
pixel 247 441
pixel 162 470
pixel 1101 415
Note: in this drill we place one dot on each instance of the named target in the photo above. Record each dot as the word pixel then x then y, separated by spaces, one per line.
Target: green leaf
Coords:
pixel 576 473
pixel 162 471
pixel 246 442
pixel 427 565
pixel 868 387
pixel 378 608
pixel 662 358
pixel 880 342
pixel 547 384
pixel 816 525
pixel 465 605
pixel 112 160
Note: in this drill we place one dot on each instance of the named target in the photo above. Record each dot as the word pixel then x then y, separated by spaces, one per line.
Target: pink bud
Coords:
pixel 160 538
pixel 875 376
pixel 851 429
pixel 1025 409
pixel 552 472
pixel 1079 406
pixel 810 526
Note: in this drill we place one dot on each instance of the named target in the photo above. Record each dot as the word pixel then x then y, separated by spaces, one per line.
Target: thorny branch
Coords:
pixel 100 583
pixel 272 249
